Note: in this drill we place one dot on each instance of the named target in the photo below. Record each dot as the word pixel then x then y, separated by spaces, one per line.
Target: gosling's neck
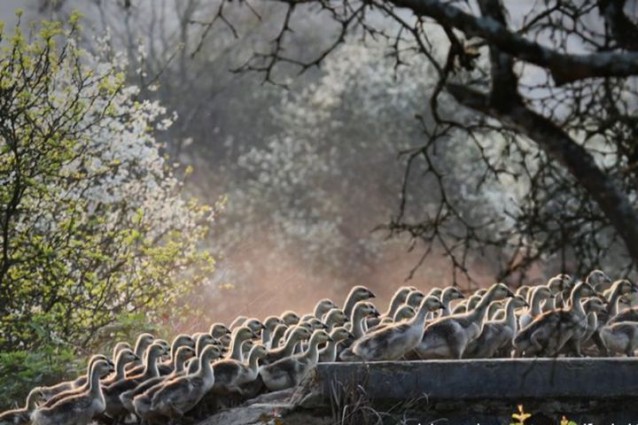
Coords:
pixel 95 389
pixel 330 350
pixel 32 401
pixel 396 302
pixel 575 304
pixel 357 323
pixel 266 335
pixel 419 318
pixel 253 361
pixel 151 364
pixel 614 301
pixel 478 314
pixel 313 351
pixel 276 337
pixel 510 316
pixel 537 299
pixel 236 353
pixel 120 365
pixel 205 370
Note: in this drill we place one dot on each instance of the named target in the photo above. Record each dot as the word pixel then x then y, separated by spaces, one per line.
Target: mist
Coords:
pixel 305 176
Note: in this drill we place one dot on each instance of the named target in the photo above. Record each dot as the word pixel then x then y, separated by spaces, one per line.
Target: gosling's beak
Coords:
pixel 371 294
pixel 510 294
pixel 461 296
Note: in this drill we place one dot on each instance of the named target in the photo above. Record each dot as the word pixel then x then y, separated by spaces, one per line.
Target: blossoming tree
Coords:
pixel 93 223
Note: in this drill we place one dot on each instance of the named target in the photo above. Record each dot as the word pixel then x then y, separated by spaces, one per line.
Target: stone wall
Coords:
pixel 586 391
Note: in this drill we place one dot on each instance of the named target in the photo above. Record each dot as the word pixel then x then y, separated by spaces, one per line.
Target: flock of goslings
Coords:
pixel 154 382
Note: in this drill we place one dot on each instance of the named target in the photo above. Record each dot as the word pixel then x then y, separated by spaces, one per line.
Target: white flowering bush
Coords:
pixel 316 189
pixel 94 225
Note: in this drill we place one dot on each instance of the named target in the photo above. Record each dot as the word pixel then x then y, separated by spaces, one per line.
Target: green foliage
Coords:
pixel 22 370
pixel 94 230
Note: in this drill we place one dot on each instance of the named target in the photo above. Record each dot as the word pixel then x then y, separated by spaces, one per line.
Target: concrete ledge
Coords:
pixel 502 379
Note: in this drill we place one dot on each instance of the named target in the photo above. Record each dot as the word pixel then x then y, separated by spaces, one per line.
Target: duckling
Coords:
pixel 142 402
pixel 449 336
pixel 219 330
pixel 448 295
pixel 395 340
pixel 239 321
pixel 618 289
pixel 79 409
pixel 523 292
pixel 179 341
pixel 290 329
pixel 538 294
pixel 559 285
pixel 481 292
pixel 142 368
pixel 181 355
pixel 142 343
pixel 124 357
pixel 238 337
pixel 114 407
pixel 415 298
pixel 497 335
pixel 473 301
pixel 270 323
pixel 620 337
pixel 254 325
pixel 290 318
pixel 22 416
pixel 398 298
pixel 314 323
pixel 404 312
pixel 592 306
pixel 49 392
pixel 231 374
pixel 329 352
pixel 626 315
pixel 434 292
pixel 122 345
pixel 323 306
pixel 598 280
pixel 360 311
pixel 466 307
pixel 496 311
pixel 357 293
pixel 246 346
pixel 290 371
pixel 550 331
pixel 277 335
pixel 335 317
pixel 180 395
pixel 461 307
pixel 204 340
pixel 298 334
